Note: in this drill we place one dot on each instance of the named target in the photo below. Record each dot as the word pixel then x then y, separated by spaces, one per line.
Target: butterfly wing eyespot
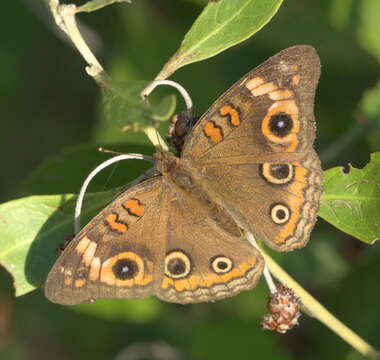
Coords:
pixel 221 264
pixel 277 174
pixel 124 269
pixel 280 213
pixel 177 264
pixel 280 124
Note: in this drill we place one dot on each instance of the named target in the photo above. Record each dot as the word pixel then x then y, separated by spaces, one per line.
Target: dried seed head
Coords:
pixel 284 307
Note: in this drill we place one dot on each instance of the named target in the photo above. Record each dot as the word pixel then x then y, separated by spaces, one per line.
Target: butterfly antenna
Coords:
pixel 103 165
pixel 107 151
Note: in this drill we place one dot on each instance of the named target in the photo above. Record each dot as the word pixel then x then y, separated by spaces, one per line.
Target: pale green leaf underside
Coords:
pixel 123 106
pixel 221 25
pixel 351 202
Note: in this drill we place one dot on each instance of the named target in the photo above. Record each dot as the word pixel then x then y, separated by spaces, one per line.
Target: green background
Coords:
pixel 48 104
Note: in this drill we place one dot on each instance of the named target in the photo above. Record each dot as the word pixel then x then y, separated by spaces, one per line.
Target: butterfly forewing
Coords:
pixel 119 254
pixel 265 116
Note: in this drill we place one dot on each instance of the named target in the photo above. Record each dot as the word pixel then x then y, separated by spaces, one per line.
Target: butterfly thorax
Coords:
pixel 180 174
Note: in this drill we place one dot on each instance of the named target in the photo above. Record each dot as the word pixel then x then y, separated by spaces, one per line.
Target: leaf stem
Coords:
pixel 267 274
pixel 155 138
pixel 185 95
pixel 318 311
pixel 64 16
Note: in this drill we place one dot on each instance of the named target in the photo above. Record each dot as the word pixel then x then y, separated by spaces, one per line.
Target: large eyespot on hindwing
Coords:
pixel 177 265
pixel 278 174
pixel 280 213
pixel 221 264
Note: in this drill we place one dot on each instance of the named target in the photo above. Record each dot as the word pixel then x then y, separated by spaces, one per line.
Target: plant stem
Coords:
pixel 318 311
pixel 64 16
pixel 155 138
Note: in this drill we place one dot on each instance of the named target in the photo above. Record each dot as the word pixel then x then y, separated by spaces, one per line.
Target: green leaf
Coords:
pixel 222 24
pixel 124 109
pixel 32 229
pixel 351 201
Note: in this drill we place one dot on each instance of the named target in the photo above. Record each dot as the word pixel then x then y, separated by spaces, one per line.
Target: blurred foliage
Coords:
pixel 49 104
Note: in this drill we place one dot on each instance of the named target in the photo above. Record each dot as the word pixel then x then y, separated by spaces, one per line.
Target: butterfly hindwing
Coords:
pixel 207 258
pixel 277 202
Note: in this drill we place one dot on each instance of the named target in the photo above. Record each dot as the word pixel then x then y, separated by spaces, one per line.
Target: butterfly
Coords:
pixel 247 165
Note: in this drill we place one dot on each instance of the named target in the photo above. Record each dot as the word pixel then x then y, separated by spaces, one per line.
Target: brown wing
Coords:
pixel 277 202
pixel 207 258
pixel 119 254
pixel 254 149
pixel 265 116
